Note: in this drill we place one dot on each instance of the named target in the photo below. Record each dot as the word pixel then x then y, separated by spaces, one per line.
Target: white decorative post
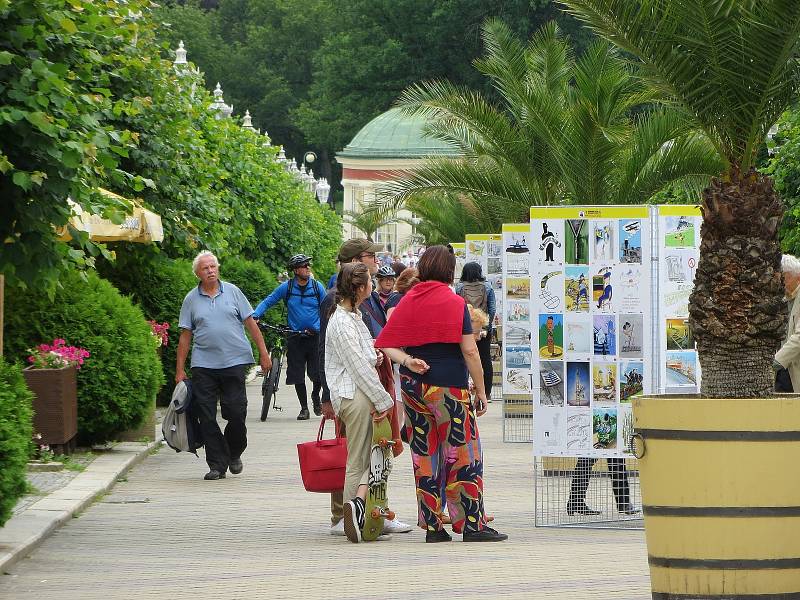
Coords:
pixel 247 121
pixel 223 110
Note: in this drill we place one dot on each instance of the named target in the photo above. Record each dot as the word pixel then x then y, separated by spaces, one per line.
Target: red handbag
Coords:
pixel 322 462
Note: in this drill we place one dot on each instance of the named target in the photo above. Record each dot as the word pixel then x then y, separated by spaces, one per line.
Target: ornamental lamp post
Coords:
pixel 247 121
pixel 223 110
pixel 281 158
pixel 323 190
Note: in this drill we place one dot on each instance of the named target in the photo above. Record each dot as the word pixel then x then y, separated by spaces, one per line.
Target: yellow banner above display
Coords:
pixel 589 212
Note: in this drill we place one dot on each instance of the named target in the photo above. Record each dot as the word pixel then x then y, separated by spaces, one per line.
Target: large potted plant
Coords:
pixel 51 376
pixel 720 498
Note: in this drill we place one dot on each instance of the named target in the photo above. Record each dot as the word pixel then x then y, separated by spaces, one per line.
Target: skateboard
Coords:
pixel 380 465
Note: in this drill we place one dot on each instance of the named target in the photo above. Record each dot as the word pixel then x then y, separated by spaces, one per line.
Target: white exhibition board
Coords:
pixel 516 314
pixel 487 250
pixel 460 251
pixel 591 312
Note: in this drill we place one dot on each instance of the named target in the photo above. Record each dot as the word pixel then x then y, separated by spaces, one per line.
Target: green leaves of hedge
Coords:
pixel 15 436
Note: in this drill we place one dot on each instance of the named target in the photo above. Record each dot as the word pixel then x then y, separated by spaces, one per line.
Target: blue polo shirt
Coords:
pixel 216 326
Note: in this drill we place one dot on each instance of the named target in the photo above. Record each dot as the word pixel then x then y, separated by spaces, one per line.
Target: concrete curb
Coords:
pixel 24 532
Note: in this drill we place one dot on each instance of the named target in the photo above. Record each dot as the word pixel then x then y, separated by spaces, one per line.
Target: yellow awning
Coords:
pixel 141 225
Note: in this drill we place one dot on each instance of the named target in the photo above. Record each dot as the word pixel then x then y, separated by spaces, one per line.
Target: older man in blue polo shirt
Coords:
pixel 216 313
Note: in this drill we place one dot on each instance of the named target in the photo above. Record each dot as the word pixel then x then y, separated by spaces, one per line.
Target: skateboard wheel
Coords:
pixel 383 442
pixel 376 513
pixel 390 515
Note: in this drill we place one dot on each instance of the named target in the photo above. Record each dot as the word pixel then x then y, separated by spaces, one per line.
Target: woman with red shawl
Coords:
pixel 430 336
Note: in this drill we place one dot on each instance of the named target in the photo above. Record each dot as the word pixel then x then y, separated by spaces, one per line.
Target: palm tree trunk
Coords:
pixel 737 310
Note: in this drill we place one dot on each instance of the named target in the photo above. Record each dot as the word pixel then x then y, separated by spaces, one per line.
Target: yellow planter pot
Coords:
pixel 721 495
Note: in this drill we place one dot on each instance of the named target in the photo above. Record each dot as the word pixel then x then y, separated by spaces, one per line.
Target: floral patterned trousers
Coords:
pixel 446 453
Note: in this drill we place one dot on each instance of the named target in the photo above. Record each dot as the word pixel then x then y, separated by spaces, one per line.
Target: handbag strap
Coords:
pixel 322 427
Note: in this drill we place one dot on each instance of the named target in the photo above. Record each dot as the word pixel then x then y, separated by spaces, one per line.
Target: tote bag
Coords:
pixel 322 462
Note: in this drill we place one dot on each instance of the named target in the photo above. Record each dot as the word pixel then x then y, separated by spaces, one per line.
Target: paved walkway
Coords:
pixel 165 533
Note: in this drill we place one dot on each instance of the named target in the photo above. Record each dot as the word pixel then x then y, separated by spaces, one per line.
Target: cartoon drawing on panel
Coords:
pixel 680 232
pixel 626 429
pixel 602 234
pixel 604 382
pixel 552 383
pixel 681 369
pixel 602 290
pixel 630 241
pixel 475 249
pixel 517 264
pixel 631 381
pixel 551 300
pixel 576 289
pixel 549 242
pixel 517 244
pixel 604 428
pixel 578 384
pixel 494 247
pixel 577 246
pixel 552 431
pixel 518 381
pixel 578 335
pixel 516 335
pixel 518 287
pixel 579 430
pixel 676 270
pixel 631 336
pixel 605 337
pixel 518 357
pixel 551 335
pixel 519 312
pixel 679 335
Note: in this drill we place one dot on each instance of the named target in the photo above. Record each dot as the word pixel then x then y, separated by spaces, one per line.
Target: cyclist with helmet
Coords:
pixel 386 278
pixel 303 296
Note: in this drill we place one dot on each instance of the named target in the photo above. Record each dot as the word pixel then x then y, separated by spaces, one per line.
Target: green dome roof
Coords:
pixel 395 134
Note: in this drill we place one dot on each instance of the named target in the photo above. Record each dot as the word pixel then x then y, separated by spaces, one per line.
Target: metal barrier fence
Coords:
pixel 576 492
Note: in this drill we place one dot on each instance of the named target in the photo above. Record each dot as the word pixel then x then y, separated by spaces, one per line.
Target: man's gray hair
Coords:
pixel 790 264
pixel 205 253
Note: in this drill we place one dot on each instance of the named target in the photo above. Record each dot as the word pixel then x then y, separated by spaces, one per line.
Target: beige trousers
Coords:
pixel 356 415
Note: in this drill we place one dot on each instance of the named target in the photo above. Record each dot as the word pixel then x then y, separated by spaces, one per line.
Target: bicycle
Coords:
pixel 269 388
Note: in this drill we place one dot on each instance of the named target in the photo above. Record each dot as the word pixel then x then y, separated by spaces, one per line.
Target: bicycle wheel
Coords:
pixel 270 385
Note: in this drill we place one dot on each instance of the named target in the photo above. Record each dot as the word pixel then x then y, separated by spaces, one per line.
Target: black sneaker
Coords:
pixel 213 475
pixel 629 509
pixel 236 466
pixel 487 534
pixel 580 509
pixel 353 519
pixel 434 537
pixel 318 409
pixel 303 416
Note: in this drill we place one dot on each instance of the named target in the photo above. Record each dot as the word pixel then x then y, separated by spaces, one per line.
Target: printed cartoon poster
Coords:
pixel 603 249
pixel 679 335
pixel 551 380
pixel 602 290
pixel 517 334
pixel 551 336
pixel 631 338
pixel 576 289
pixel 631 381
pixel 605 336
pixel 625 428
pixel 549 241
pixel 518 288
pixel 518 311
pixel 631 288
pixel 680 232
pixel 604 383
pixel 476 248
pixel 518 357
pixel 578 383
pixel 578 336
pixel 548 288
pixel 460 252
pixel 677 277
pixel 681 369
pixel 549 429
pixel 579 432
pixel 630 241
pixel 604 428
pixel 517 252
pixel 576 232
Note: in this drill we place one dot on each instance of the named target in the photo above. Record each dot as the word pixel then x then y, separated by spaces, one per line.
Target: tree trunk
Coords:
pixel 736 309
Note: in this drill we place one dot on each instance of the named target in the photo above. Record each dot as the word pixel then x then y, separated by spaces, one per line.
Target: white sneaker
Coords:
pixel 396 526
pixel 338 529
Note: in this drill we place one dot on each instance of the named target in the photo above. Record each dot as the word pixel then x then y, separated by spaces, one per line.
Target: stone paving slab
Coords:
pixel 166 533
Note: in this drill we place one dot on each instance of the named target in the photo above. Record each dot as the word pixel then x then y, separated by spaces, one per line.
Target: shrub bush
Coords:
pixel 15 436
pixel 117 383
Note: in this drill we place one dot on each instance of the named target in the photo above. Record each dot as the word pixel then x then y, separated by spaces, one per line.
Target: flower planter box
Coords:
pixel 720 495
pixel 55 405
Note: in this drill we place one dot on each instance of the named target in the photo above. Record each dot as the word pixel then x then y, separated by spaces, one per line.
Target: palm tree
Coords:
pixel 443 218
pixel 369 220
pixel 565 130
pixel 732 65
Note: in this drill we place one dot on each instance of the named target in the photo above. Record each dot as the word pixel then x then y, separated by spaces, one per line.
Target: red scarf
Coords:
pixel 429 313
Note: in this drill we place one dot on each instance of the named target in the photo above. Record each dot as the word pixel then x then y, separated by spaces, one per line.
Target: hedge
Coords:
pixel 15 436
pixel 117 383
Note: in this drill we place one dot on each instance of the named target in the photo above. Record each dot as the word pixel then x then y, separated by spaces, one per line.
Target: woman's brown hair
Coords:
pixel 351 277
pixel 406 280
pixel 437 264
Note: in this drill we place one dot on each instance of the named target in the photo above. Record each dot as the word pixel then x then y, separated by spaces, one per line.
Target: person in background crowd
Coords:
pixel 332 280
pixel 476 291
pixel 398 268
pixel 303 296
pixel 405 281
pixel 386 278
pixel 214 316
pixel 374 317
pixel 787 359
pixel 430 335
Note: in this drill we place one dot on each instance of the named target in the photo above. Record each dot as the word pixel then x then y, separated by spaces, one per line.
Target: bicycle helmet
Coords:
pixel 386 271
pixel 299 260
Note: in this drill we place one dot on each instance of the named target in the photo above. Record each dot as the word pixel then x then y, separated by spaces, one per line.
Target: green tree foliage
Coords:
pixel 118 381
pixel 784 167
pixel 565 130
pixel 15 436
pixel 57 136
